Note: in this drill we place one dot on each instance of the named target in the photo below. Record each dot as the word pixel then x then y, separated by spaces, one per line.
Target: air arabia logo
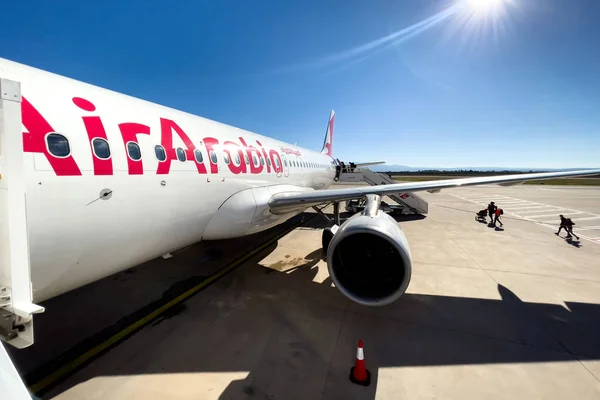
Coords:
pixel 251 158
pixel 287 150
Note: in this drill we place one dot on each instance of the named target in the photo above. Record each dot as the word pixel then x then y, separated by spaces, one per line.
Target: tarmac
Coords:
pixel 494 313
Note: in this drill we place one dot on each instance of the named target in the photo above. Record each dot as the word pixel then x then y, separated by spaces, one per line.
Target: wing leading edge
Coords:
pixel 286 202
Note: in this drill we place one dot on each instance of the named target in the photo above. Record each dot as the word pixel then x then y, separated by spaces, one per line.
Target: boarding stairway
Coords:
pixel 16 289
pixel 408 203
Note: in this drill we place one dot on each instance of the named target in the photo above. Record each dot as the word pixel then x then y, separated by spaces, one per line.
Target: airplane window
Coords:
pixel 262 161
pixel 277 162
pixel 226 158
pixel 236 157
pixel 181 154
pixel 160 153
pixel 133 151
pixel 58 145
pixel 246 159
pixel 101 148
pixel 255 160
pixel 285 162
pixel 198 156
pixel 213 156
pixel 269 161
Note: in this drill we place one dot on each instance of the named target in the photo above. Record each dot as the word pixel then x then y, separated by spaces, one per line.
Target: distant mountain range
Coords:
pixel 405 168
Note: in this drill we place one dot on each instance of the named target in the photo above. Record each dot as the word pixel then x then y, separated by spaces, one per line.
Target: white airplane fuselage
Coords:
pixel 89 216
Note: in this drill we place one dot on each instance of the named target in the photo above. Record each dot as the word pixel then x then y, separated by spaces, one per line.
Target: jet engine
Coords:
pixel 368 257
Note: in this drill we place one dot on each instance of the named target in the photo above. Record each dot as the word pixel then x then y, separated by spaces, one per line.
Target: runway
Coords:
pixel 490 313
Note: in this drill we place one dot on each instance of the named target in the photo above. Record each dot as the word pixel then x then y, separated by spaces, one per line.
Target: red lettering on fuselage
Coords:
pixel 94 129
pixel 129 132
pixel 277 166
pixel 210 144
pixel 265 156
pixel 34 140
pixel 166 129
pixel 240 156
pixel 255 167
pixel 229 148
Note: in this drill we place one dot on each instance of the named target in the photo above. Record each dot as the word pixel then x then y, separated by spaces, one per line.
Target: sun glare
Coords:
pixel 484 5
pixel 487 7
pixel 478 19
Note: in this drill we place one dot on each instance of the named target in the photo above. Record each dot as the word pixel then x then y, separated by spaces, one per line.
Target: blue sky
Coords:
pixel 525 94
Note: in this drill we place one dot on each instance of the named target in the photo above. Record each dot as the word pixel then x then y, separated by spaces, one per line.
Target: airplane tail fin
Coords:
pixel 328 143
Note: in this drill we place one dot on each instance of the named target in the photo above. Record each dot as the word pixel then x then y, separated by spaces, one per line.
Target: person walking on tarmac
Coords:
pixel 569 229
pixel 567 224
pixel 563 225
pixel 498 213
pixel 491 211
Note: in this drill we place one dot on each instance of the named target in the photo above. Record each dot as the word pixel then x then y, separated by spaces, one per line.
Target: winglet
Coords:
pixel 328 143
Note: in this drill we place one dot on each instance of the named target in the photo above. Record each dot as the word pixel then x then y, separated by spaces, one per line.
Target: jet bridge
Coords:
pixel 407 203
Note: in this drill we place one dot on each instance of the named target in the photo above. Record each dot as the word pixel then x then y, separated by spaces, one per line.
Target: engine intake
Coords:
pixel 369 258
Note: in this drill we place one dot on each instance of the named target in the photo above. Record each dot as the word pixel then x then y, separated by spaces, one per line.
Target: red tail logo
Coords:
pixel 328 144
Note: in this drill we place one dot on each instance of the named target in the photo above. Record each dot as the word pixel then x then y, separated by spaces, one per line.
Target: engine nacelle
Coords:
pixel 369 258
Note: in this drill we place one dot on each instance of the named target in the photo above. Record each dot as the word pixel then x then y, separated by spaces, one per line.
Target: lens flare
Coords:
pixel 471 17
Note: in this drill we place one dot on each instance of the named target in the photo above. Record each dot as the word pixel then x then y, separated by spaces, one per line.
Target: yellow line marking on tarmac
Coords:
pixel 69 367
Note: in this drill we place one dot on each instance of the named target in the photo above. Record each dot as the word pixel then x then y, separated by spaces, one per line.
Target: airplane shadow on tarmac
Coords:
pixel 297 337
pixel 421 330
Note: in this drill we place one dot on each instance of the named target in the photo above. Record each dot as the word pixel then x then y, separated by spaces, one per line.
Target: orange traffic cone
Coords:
pixel 359 374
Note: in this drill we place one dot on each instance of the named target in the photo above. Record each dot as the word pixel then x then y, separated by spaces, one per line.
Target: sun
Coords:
pixel 486 7
pixel 480 20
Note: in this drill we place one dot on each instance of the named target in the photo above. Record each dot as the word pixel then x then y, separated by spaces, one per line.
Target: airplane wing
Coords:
pixel 285 202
